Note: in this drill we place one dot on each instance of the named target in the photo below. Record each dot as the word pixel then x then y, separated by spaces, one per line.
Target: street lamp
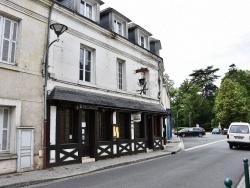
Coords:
pixel 177 121
pixel 58 29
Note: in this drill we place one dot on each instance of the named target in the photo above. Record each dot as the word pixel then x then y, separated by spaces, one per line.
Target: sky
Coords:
pixel 194 34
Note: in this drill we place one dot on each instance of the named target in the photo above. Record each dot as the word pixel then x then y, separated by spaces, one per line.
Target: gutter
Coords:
pixel 44 139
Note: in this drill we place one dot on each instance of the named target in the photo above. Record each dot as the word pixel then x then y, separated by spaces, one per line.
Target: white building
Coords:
pixel 105 96
pixel 105 85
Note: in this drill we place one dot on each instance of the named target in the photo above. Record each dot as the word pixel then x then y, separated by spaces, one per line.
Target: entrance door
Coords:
pixel 149 125
pixel 85 133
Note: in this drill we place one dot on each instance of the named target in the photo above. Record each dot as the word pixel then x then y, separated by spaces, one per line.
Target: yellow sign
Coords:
pixel 115 131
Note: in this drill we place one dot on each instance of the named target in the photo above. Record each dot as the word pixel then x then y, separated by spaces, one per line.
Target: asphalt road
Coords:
pixel 197 166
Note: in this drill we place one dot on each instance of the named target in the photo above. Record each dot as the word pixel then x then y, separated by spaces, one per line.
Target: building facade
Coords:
pixel 104 92
pixel 22 43
pixel 104 86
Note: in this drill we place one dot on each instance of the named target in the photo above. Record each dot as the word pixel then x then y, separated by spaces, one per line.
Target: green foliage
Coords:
pixel 168 81
pixel 204 78
pixel 195 109
pixel 199 101
pixel 242 77
pixel 231 103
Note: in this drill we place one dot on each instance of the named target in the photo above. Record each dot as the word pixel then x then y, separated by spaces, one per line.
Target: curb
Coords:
pixel 30 183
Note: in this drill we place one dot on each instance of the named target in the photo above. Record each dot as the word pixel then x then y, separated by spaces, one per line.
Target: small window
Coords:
pixel 8 40
pixel 117 27
pixel 85 65
pixel 86 9
pixel 121 75
pixel 142 42
pixel 4 129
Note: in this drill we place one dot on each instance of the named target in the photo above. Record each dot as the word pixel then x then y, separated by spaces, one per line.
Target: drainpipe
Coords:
pixel 45 88
pixel 159 83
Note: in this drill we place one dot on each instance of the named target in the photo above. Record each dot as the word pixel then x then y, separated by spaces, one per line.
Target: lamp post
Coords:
pixel 177 121
pixel 58 29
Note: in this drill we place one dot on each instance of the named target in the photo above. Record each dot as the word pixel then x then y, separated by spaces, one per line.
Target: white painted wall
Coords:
pixel 64 56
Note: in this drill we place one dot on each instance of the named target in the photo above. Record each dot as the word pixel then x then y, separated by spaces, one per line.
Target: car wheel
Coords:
pixel 183 135
pixel 200 135
pixel 230 146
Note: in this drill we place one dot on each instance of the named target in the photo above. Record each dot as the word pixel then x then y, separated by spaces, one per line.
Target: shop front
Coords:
pixel 86 124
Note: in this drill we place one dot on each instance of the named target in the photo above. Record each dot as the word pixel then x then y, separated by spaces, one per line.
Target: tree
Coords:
pixel 205 78
pixel 230 103
pixel 195 108
pixel 168 81
pixel 242 77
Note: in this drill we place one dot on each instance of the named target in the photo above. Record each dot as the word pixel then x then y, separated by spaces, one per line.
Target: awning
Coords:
pixel 102 100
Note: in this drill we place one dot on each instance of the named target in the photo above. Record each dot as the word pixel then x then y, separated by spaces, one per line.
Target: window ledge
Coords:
pixel 7 156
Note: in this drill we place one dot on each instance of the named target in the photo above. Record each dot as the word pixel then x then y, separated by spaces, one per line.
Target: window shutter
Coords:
pixel 1 128
pixel 13 45
pixel 6 39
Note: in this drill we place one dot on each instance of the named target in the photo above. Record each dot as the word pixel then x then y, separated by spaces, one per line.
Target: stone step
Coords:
pixel 149 150
pixel 87 159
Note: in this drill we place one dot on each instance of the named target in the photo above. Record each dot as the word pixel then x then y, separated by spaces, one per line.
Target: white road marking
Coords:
pixel 204 145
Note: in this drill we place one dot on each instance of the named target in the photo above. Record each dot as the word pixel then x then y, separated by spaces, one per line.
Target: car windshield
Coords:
pixel 239 129
pixel 215 129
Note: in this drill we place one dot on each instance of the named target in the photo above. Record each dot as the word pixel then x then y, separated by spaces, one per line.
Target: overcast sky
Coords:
pixel 194 34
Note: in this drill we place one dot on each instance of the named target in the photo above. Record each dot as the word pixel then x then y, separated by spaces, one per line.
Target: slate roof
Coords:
pixel 86 97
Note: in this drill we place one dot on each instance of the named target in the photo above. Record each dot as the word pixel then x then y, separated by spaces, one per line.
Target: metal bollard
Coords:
pixel 245 160
pixel 228 182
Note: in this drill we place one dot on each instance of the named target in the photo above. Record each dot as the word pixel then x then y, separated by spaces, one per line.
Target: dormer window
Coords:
pixel 86 10
pixel 117 27
pixel 142 41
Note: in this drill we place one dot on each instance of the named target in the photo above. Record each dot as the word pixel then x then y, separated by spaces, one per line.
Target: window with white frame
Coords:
pixel 85 64
pixel 8 40
pixel 117 27
pixel 120 75
pixel 4 129
pixel 86 9
pixel 142 41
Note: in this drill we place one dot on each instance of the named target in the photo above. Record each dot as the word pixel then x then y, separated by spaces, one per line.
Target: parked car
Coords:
pixel 238 134
pixel 192 131
pixel 216 131
pixel 224 131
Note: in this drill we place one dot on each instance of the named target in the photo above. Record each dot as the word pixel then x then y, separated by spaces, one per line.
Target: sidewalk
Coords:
pixel 34 177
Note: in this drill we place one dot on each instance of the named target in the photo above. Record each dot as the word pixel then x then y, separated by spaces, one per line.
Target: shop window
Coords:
pixel 68 132
pixel 124 122
pixel 139 129
pixel 157 126
pixel 104 124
